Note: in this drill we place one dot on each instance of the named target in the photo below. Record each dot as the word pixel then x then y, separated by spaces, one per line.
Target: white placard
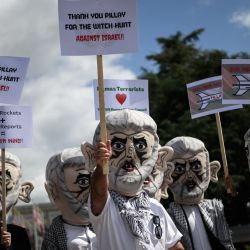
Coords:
pixel 205 97
pixel 12 74
pixel 236 81
pixel 123 94
pixel 97 27
pixel 15 126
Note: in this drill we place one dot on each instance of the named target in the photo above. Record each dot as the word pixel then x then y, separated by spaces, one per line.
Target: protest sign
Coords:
pixel 205 97
pixel 236 81
pixel 12 75
pixel 122 94
pixel 97 27
pixel 15 126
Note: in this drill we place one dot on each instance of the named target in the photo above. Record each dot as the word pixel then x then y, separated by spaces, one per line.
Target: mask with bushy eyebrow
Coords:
pixel 192 170
pixel 132 160
pixel 134 144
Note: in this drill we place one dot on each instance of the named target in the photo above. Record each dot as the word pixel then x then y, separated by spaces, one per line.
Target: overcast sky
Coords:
pixel 59 89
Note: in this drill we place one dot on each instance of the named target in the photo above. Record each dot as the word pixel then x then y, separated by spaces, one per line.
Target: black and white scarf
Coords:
pixel 136 212
pixel 213 216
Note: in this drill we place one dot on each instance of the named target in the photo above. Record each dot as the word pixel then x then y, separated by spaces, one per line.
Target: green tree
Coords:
pixel 178 63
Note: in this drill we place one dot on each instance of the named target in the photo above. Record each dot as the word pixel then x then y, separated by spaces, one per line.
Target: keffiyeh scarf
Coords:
pixel 136 212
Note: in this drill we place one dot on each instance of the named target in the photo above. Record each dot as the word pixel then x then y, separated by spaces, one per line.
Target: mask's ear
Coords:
pixel 164 191
pixel 88 151
pixel 169 169
pixel 165 154
pixel 167 180
pixel 214 169
pixel 163 163
pixel 25 190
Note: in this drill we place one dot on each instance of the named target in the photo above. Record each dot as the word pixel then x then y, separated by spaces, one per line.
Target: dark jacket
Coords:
pixel 212 214
pixel 19 238
pixel 55 237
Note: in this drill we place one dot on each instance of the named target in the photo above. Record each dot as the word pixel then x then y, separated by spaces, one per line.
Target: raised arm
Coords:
pixel 99 181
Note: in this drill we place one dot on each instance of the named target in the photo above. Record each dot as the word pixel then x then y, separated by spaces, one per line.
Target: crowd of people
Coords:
pixel 121 210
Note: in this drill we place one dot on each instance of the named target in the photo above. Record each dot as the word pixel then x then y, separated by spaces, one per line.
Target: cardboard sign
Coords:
pixel 15 126
pixel 205 97
pixel 97 27
pixel 236 81
pixel 123 94
pixel 12 75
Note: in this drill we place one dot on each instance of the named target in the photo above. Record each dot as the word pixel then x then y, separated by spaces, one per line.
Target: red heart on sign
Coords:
pixel 121 98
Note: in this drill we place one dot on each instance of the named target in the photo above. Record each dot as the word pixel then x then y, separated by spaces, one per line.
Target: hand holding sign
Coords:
pixel 90 28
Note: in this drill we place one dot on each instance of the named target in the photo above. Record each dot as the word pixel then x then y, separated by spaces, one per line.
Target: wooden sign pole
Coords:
pixel 223 151
pixel 222 146
pixel 102 106
pixel 3 190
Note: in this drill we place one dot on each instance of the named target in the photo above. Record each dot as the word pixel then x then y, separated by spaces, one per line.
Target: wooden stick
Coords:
pixel 222 149
pixel 3 190
pixel 102 107
pixel 222 146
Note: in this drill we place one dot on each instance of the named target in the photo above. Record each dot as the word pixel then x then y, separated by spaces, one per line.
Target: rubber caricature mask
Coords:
pixel 14 188
pixel 134 149
pixel 192 170
pixel 68 183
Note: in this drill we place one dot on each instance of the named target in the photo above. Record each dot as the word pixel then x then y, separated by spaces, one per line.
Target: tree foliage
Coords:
pixel 178 63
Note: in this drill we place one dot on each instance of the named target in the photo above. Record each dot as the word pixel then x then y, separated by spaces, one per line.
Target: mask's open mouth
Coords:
pixel 190 185
pixel 129 166
pixel 147 181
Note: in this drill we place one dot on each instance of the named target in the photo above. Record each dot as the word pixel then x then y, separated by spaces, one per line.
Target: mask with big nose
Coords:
pixel 129 163
pixel 190 178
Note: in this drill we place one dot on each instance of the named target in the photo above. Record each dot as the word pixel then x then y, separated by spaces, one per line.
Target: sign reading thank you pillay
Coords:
pixel 12 75
pixel 97 27
pixel 123 94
